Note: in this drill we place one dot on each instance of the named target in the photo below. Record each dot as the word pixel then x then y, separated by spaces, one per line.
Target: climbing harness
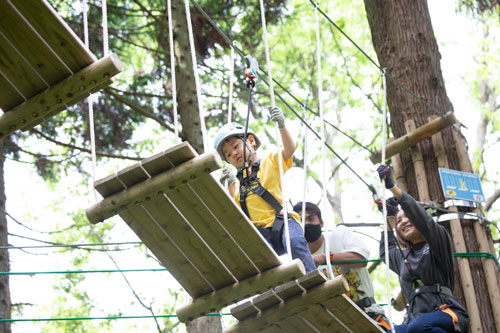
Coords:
pixel 252 183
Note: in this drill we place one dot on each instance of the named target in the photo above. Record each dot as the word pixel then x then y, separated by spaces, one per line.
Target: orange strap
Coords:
pixel 452 314
pixel 383 323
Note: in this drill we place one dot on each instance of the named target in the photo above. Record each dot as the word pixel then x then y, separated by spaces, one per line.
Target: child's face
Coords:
pixel 406 229
pixel 232 149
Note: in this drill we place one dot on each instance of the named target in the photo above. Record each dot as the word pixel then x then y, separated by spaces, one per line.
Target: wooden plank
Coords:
pixel 154 165
pixel 9 97
pixel 351 315
pixel 419 166
pixel 189 242
pixel 319 294
pixel 216 300
pixel 322 320
pixel 15 69
pixel 208 226
pixel 174 156
pixel 163 182
pixel 295 324
pixel 165 250
pixel 236 223
pixel 33 49
pixel 65 91
pixel 56 33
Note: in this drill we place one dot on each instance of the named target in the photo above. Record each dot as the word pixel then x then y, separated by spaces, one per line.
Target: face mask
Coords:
pixel 313 232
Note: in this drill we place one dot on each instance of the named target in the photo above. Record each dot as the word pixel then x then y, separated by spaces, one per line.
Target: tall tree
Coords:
pixel 5 306
pixel 404 40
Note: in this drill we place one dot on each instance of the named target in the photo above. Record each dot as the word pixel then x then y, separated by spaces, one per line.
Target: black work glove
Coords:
pixel 385 174
pixel 391 206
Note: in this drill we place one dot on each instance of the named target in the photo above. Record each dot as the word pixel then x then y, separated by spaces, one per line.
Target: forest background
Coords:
pixel 48 170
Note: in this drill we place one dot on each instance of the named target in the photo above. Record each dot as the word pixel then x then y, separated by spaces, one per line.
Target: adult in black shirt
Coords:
pixel 425 266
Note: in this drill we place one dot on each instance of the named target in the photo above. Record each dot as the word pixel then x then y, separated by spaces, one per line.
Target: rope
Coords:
pixel 196 77
pixel 230 97
pixel 105 38
pixel 172 69
pixel 432 108
pixel 323 137
pixel 277 130
pixel 90 101
pixel 384 208
pixel 304 192
pixel 104 318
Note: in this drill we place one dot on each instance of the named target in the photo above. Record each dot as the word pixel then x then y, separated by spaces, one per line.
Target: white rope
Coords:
pixel 230 97
pixel 277 130
pixel 384 209
pixel 323 144
pixel 90 102
pixel 105 37
pixel 196 77
pixel 304 192
pixel 172 70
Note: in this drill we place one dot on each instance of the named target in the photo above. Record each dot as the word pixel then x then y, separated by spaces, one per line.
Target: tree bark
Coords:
pixel 405 44
pixel 186 89
pixel 189 118
pixel 5 305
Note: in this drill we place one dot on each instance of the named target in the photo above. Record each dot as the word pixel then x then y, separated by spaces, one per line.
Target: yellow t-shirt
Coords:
pixel 261 213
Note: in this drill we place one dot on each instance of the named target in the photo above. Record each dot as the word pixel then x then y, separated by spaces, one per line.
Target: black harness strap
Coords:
pixel 252 183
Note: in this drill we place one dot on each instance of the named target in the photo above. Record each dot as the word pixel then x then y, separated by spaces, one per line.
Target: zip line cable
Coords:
pixel 432 108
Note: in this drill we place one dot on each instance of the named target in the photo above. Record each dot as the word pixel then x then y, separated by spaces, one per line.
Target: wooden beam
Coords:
pixel 256 284
pixel 66 91
pixel 419 166
pixel 319 294
pixel 411 139
pixel 459 246
pixel 158 184
pixel 489 266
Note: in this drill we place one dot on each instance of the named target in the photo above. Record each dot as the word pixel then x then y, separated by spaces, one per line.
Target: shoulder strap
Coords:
pixel 252 183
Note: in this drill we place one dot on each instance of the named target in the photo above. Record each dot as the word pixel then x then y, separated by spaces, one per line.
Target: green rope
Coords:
pixel 457 255
pixel 477 254
pixel 87 271
pixel 102 318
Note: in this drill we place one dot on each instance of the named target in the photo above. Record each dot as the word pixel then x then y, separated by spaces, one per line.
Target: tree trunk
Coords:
pixel 5 306
pixel 405 44
pixel 189 118
pixel 186 89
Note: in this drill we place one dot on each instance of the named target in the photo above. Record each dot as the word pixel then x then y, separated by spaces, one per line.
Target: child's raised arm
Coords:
pixel 286 137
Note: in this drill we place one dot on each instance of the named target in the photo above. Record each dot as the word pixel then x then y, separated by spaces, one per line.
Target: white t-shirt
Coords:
pixel 342 239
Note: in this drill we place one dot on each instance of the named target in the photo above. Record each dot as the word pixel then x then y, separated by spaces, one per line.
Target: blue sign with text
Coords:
pixel 461 185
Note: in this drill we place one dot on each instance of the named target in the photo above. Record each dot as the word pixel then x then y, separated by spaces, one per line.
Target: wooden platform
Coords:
pixel 309 304
pixel 44 67
pixel 183 215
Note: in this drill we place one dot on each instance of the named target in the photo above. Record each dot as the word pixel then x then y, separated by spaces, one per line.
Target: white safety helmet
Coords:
pixel 229 130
